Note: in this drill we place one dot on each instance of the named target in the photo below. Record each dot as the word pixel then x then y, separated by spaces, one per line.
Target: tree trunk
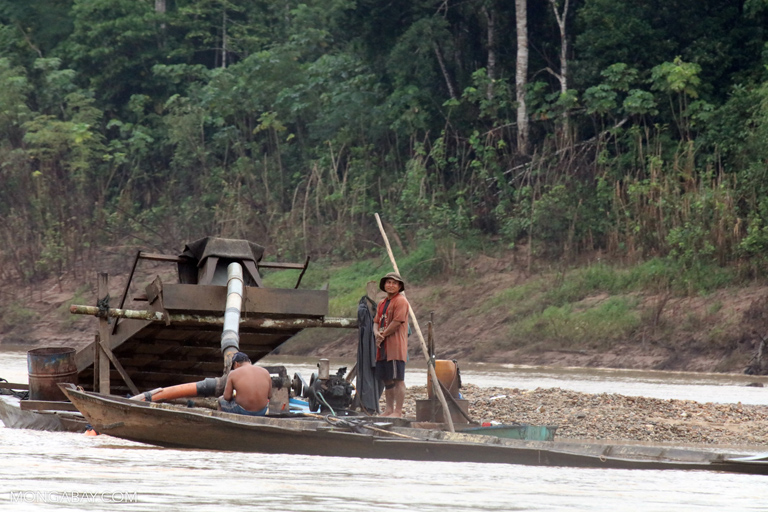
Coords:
pixel 521 74
pixel 563 75
pixel 160 9
pixel 224 38
pixel 491 23
pixel 444 70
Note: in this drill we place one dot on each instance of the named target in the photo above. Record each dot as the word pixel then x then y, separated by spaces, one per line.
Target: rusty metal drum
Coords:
pixel 47 367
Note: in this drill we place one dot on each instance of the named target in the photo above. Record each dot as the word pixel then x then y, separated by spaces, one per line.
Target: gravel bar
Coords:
pixel 613 417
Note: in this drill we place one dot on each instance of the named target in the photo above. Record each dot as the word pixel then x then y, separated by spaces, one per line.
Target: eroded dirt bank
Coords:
pixel 716 333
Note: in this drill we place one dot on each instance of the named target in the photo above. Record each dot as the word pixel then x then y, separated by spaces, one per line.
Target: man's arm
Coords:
pixel 392 328
pixel 229 388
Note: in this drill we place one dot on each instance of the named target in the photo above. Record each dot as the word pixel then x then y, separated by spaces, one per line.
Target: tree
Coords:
pixel 521 74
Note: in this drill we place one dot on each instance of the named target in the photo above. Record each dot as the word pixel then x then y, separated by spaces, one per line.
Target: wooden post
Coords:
pixel 102 294
pixel 96 365
pixel 430 362
pixel 431 335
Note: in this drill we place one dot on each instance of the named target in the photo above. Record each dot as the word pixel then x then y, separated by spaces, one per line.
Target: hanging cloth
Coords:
pixel 368 388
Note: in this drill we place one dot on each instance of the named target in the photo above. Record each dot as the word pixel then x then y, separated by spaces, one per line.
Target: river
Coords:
pixel 63 471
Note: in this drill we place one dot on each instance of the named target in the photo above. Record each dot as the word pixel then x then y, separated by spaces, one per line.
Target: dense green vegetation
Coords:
pixel 290 123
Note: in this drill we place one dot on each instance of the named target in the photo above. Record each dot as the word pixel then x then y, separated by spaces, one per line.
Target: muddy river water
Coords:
pixel 63 471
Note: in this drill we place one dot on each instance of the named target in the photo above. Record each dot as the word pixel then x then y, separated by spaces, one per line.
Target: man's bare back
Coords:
pixel 252 386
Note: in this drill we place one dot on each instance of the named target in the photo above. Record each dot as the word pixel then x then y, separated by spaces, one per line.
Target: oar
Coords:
pixel 430 362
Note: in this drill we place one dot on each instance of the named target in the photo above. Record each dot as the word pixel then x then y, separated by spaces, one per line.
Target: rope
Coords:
pixel 103 305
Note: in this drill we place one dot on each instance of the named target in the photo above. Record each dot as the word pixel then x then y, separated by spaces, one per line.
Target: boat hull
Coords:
pixel 171 426
pixel 13 416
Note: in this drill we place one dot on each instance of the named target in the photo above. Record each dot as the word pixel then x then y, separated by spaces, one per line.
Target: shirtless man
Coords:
pixel 251 387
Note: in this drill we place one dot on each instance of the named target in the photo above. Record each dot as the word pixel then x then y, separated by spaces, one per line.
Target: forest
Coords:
pixel 553 127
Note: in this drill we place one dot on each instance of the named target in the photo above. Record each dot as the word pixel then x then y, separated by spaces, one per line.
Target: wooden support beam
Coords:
pixel 102 294
pixel 13 385
pixel 282 266
pixel 160 257
pixel 43 405
pixel 96 365
pixel 119 367
pixel 250 267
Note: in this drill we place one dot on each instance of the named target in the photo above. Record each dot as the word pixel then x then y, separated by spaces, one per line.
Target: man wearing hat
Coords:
pixel 248 388
pixel 390 327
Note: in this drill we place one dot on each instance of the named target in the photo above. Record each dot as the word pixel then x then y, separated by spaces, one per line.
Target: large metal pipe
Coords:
pixel 230 338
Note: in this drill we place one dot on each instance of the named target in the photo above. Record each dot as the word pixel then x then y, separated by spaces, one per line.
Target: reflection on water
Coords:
pixel 63 471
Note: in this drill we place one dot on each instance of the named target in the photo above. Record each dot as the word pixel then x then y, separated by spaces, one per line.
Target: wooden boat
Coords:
pixel 178 427
pixel 13 416
pixel 518 431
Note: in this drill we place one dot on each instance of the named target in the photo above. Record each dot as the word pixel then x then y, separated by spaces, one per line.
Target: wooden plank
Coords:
pixel 281 301
pixel 153 349
pixel 165 379
pixel 95 360
pixel 119 367
pixel 208 300
pixel 161 257
pixel 195 299
pixel 127 286
pixel 209 368
pixel 43 405
pixel 13 385
pixel 128 328
pixel 281 266
pixel 250 268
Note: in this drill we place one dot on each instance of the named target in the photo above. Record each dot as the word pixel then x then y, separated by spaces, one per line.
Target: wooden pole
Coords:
pixel 96 360
pixel 102 294
pixel 430 362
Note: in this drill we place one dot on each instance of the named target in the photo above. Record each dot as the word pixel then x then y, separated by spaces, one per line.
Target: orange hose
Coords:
pixel 179 391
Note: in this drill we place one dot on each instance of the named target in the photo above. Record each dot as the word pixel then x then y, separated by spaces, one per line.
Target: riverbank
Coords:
pixel 494 309
pixel 614 417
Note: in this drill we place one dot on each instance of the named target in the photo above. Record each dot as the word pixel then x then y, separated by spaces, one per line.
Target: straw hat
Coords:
pixel 396 277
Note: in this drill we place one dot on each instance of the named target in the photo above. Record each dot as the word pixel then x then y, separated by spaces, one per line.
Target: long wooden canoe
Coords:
pixel 178 427
pixel 13 416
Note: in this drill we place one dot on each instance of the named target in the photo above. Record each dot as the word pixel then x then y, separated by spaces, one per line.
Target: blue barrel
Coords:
pixel 47 367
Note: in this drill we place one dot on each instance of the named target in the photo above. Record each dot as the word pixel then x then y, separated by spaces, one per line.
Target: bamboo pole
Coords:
pixel 430 362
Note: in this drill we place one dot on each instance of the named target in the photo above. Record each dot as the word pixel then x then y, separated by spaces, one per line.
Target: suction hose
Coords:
pixel 230 337
pixel 230 344
pixel 207 387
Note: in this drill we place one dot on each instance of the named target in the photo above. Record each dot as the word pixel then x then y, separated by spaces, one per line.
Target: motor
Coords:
pixel 326 393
